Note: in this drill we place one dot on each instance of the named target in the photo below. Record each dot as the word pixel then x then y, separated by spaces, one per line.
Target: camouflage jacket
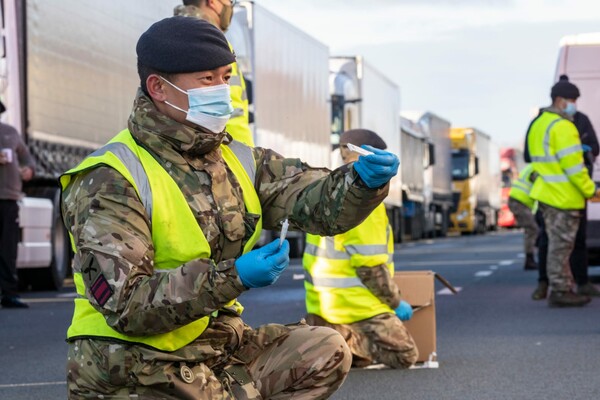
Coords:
pixel 109 223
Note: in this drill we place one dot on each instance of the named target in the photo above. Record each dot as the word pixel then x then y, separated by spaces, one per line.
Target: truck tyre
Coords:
pixel 52 276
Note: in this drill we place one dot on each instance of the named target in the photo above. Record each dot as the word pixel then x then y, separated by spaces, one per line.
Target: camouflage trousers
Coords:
pixel 561 228
pixel 526 220
pixel 270 362
pixel 380 339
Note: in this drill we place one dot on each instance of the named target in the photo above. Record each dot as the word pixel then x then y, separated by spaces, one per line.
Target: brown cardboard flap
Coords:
pixel 416 287
pixel 446 283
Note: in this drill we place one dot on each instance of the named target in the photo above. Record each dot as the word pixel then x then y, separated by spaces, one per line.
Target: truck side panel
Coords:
pixel 81 71
pixel 291 90
pixel 579 58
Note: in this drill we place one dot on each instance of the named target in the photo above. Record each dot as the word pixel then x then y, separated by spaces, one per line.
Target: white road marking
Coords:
pixel 447 291
pixel 298 277
pixel 32 384
pixel 70 294
pixel 484 273
pixel 506 262
pixel 48 300
pixel 442 262
pixel 521 255
pixel 493 267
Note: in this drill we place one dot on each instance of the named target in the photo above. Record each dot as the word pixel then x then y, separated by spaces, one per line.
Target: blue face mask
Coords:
pixel 210 106
pixel 570 109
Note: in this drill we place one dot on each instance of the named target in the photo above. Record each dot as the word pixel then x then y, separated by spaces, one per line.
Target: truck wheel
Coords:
pixel 52 277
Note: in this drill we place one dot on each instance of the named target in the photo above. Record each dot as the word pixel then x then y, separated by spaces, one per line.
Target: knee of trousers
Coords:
pixel 332 348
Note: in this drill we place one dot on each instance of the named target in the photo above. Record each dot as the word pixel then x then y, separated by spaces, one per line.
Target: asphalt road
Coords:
pixel 493 341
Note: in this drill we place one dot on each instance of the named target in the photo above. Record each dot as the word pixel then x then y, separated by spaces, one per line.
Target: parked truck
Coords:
pixel 476 181
pixel 511 163
pixel 579 58
pixel 437 173
pixel 287 73
pixel 414 146
pixel 68 78
pixel 362 97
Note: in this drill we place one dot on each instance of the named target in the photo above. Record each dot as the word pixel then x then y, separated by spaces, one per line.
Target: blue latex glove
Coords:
pixel 404 311
pixel 262 267
pixel 376 169
pixel 586 148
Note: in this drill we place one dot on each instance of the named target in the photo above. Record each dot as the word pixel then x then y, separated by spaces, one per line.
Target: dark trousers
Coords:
pixel 579 256
pixel 9 239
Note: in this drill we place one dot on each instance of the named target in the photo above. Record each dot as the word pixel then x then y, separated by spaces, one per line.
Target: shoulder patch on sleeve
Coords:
pixel 101 290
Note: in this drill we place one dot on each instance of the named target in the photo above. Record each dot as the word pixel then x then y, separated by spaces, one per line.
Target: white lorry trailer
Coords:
pixel 438 171
pixel 362 97
pixel 68 78
pixel 414 146
pixel 286 71
pixel 579 58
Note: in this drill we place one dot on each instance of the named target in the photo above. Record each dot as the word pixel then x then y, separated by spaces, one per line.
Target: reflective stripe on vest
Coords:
pixel 172 219
pixel 521 187
pixel 333 289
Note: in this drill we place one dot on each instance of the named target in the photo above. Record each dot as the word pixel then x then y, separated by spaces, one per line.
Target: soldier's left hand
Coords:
pixel 404 311
pixel 378 168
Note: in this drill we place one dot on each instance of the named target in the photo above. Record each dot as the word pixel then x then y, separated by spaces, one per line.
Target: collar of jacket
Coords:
pixel 167 137
pixel 555 110
pixel 189 11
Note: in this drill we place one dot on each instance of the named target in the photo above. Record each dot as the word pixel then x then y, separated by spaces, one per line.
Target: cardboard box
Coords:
pixel 418 289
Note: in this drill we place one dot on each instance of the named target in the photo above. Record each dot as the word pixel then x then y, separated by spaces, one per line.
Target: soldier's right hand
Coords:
pixel 262 267
pixel 378 168
pixel 596 197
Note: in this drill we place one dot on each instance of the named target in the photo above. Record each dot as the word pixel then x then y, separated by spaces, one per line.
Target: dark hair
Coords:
pixel 192 2
pixel 144 72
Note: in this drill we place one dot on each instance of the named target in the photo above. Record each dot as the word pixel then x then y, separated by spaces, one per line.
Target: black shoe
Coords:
pixel 567 299
pixel 530 263
pixel 12 302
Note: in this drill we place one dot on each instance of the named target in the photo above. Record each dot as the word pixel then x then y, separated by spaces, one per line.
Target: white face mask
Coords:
pixel 210 107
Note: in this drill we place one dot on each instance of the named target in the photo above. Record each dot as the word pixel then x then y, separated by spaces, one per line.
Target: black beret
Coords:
pixel 362 136
pixel 183 44
pixel 565 89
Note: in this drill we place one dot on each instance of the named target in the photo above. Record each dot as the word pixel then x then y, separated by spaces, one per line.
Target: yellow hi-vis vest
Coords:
pixel 176 235
pixel 557 157
pixel 520 188
pixel 333 289
pixel 238 126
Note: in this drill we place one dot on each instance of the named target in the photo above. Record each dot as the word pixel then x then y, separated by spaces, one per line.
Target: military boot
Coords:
pixel 530 263
pixel 541 291
pixel 588 290
pixel 567 299
pixel 12 302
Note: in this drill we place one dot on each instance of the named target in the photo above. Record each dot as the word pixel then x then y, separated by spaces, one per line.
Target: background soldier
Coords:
pixel 521 205
pixel 554 148
pixel 219 13
pixel 163 221
pixel 349 282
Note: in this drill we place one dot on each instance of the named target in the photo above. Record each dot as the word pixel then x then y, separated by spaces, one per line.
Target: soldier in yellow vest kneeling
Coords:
pixel 163 221
pixel 349 282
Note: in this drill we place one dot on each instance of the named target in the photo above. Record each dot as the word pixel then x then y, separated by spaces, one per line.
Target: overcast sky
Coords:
pixel 482 63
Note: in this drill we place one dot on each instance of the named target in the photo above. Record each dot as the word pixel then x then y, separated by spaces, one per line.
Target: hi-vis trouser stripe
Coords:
pixel 548 158
pixel 134 166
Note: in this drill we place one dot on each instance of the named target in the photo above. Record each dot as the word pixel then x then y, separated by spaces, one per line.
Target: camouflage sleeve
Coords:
pixel 315 200
pixel 379 281
pixel 112 234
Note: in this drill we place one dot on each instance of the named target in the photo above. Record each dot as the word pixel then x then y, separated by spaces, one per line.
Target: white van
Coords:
pixel 579 58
